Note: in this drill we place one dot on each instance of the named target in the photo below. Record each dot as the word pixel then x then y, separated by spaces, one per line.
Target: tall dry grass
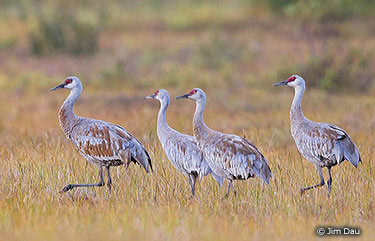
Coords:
pixel 37 161
pixel 234 50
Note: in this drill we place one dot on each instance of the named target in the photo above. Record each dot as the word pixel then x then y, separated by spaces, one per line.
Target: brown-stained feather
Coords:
pixel 67 121
pixel 99 142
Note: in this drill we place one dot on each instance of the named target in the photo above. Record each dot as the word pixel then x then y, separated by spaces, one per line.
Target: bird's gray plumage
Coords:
pixel 181 149
pixel 101 143
pixel 322 144
pixel 229 156
pixel 106 144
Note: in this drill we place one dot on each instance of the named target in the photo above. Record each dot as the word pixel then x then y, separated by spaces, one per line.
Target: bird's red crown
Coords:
pixel 192 92
pixel 68 81
pixel 291 78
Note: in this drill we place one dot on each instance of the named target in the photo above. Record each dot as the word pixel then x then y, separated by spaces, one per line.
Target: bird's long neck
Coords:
pixel 296 114
pixel 200 130
pixel 162 125
pixel 67 117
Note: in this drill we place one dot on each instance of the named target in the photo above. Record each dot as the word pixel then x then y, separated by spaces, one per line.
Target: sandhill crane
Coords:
pixel 324 145
pixel 101 143
pixel 182 150
pixel 229 156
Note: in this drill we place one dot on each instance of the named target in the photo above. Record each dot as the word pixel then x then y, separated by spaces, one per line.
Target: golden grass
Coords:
pixel 37 161
pixel 179 48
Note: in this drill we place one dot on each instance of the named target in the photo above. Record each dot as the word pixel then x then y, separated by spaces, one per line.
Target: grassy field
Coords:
pixel 232 51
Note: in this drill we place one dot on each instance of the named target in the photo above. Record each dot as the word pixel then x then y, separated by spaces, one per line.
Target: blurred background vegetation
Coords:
pixel 234 50
pixel 234 44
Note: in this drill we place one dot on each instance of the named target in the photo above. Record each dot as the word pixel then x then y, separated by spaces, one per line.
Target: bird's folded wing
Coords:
pixel 236 155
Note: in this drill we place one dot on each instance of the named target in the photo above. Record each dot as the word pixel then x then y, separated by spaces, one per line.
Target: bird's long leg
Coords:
pixel 192 180
pixel 99 184
pixel 230 186
pixel 109 182
pixel 330 180
pixel 317 185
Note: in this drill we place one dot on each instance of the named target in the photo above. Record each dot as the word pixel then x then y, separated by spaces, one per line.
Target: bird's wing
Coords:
pixel 183 153
pixel 105 141
pixel 93 139
pixel 137 150
pixel 236 155
pixel 345 143
pixel 325 142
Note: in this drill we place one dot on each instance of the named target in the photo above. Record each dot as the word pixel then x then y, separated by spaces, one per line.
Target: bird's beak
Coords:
pixel 284 82
pixel 183 96
pixel 150 97
pixel 59 87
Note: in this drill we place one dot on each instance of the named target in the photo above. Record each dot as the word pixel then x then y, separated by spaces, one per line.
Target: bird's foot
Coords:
pixel 67 188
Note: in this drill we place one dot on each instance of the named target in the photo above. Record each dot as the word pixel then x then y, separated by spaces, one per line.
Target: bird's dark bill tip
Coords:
pixel 183 96
pixel 58 87
pixel 284 82
pixel 149 97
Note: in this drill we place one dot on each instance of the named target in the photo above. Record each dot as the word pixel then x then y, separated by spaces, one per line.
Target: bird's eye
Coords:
pixel 292 78
pixel 68 81
pixel 192 92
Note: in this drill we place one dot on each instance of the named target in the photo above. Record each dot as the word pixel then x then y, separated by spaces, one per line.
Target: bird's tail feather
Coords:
pixel 140 157
pixel 145 160
pixel 262 170
pixel 351 152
